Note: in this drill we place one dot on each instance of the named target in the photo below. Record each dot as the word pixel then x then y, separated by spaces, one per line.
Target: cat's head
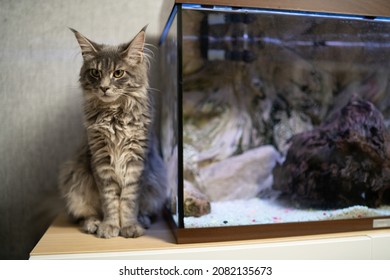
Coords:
pixel 109 72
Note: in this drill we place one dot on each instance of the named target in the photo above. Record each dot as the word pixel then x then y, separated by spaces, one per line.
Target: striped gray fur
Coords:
pixel 116 183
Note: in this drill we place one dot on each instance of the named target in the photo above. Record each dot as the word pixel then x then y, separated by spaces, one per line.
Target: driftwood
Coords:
pixel 343 162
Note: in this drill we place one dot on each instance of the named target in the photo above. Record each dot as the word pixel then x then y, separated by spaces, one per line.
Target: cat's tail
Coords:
pixel 78 188
pixel 153 188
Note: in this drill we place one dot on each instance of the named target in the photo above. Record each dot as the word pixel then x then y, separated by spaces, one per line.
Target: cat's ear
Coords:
pixel 134 51
pixel 89 49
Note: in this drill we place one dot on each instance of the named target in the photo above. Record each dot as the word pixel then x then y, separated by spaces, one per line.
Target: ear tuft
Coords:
pixel 89 49
pixel 134 51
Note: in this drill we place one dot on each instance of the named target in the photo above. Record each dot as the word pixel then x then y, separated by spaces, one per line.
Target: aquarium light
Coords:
pixel 168 25
pixel 280 12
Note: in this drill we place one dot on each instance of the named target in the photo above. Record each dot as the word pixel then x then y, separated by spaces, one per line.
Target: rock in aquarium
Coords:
pixel 343 162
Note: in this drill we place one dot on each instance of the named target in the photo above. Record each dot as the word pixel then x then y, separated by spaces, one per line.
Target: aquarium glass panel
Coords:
pixel 285 117
pixel 169 110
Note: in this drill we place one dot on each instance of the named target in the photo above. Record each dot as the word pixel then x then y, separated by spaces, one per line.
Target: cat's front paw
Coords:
pixel 90 225
pixel 132 231
pixel 106 230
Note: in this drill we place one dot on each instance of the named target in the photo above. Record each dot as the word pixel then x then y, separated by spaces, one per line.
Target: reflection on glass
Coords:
pixel 169 124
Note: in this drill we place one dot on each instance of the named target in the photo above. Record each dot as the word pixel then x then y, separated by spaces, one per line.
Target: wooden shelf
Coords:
pixel 64 240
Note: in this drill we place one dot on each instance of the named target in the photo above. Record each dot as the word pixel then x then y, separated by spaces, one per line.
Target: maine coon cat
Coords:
pixel 116 183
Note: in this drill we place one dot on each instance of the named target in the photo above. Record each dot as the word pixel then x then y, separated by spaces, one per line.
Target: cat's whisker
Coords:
pixel 122 94
pixel 153 89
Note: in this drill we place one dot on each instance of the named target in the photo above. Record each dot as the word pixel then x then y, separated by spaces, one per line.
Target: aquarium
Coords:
pixel 275 123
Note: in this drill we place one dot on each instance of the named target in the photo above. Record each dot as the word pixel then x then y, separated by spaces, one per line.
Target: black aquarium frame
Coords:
pixel 259 231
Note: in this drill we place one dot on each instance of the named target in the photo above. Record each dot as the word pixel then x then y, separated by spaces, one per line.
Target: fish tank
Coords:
pixel 274 123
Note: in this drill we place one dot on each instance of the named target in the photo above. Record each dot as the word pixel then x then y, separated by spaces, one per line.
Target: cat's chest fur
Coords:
pixel 116 140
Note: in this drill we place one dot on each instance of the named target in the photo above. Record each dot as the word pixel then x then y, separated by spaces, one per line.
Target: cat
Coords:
pixel 116 183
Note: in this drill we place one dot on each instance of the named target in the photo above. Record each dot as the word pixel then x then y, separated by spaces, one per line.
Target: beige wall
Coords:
pixel 40 104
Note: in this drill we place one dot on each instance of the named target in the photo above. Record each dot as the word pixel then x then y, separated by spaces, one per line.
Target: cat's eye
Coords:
pixel 94 73
pixel 118 73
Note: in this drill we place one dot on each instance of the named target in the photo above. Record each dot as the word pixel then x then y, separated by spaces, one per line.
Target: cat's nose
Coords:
pixel 104 89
